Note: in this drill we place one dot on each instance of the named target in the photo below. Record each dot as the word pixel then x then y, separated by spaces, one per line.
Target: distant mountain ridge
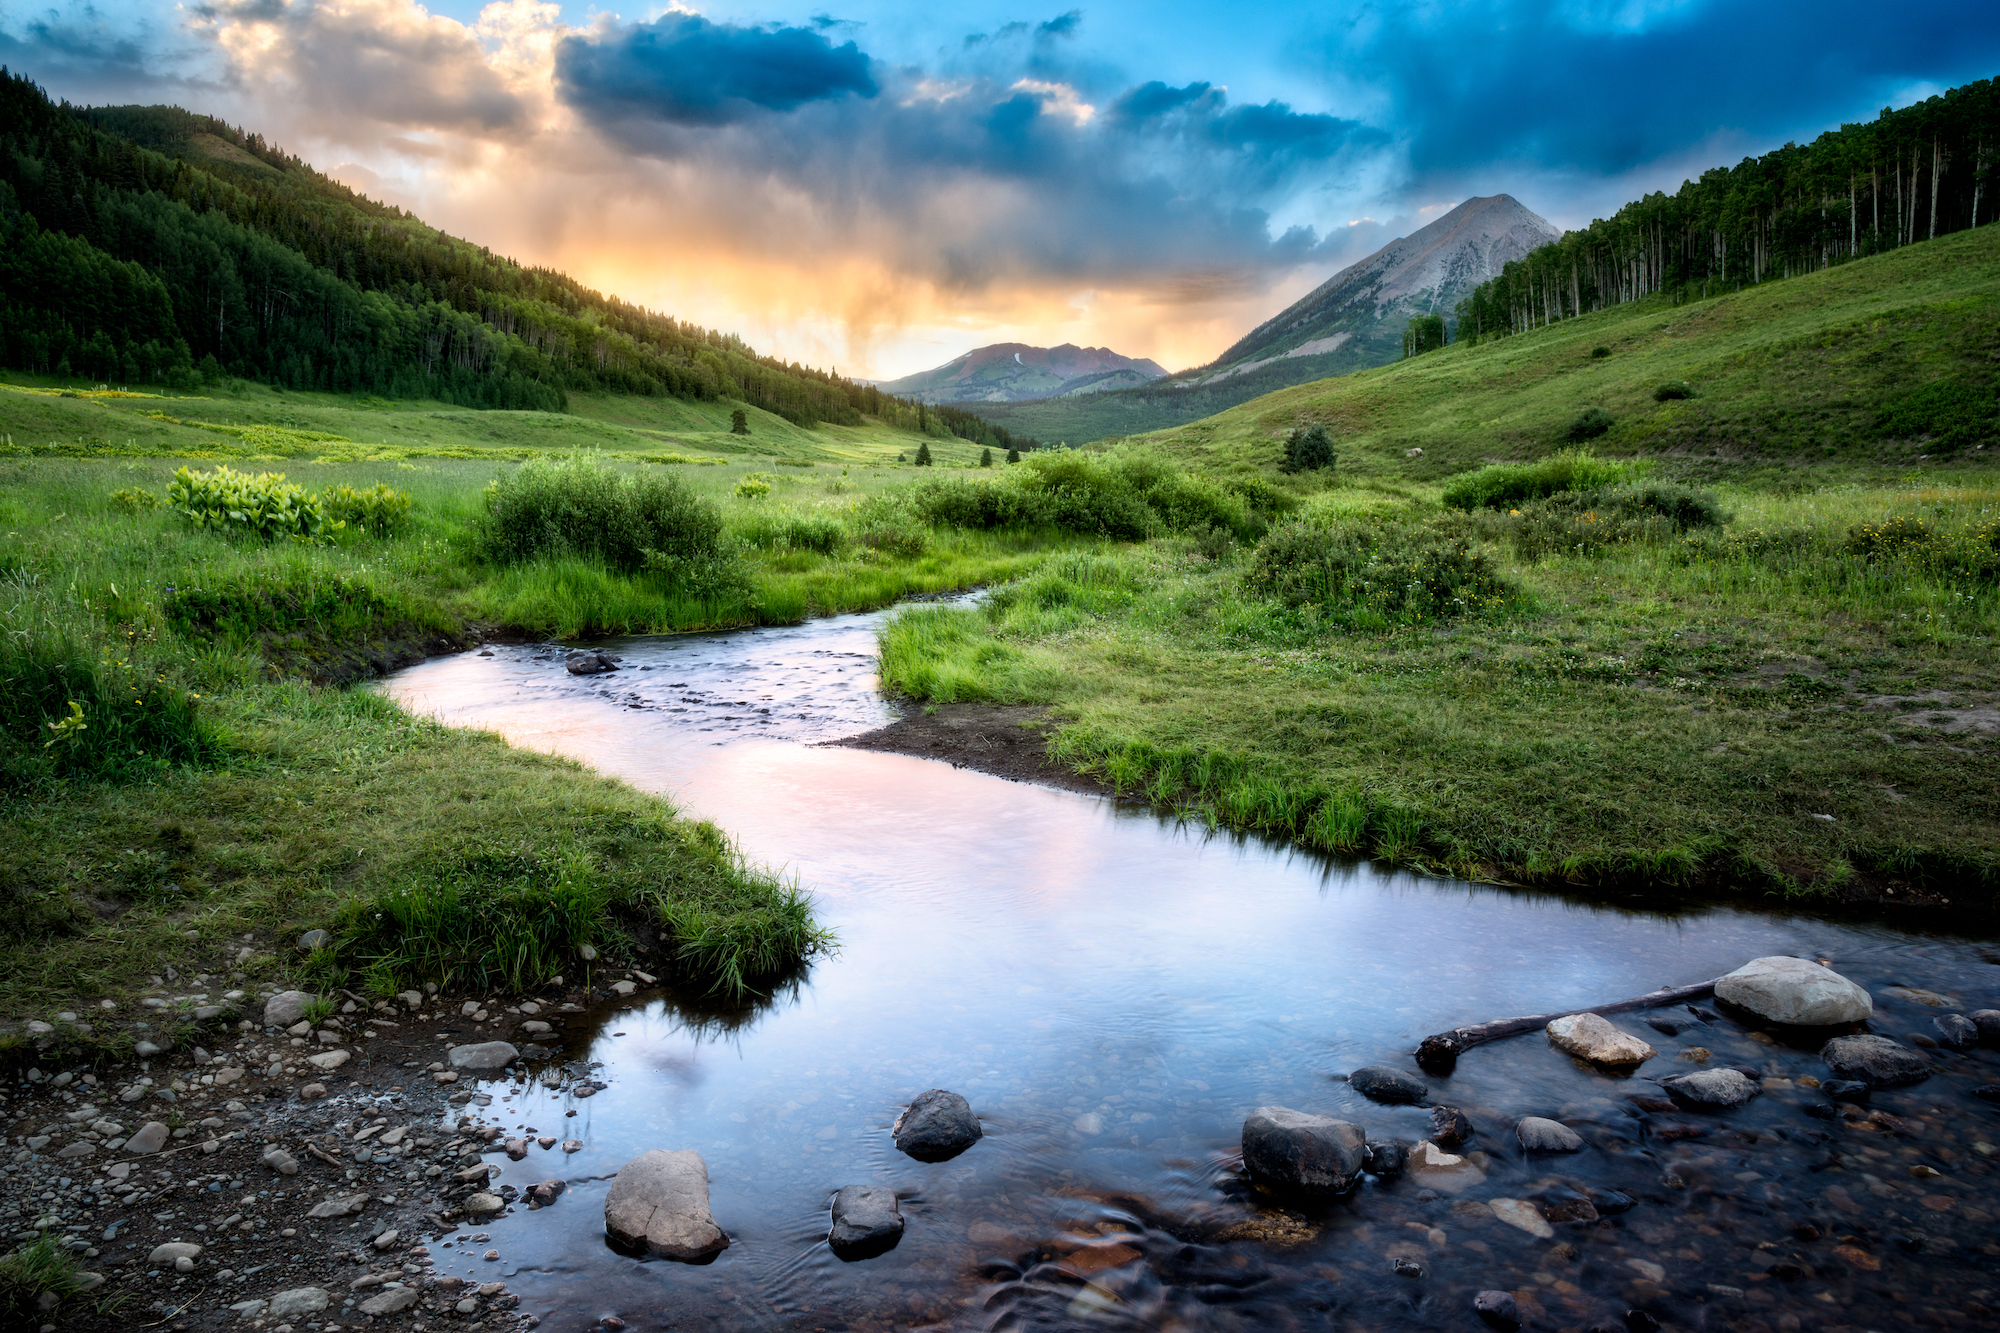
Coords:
pixel 1016 372
pixel 1359 314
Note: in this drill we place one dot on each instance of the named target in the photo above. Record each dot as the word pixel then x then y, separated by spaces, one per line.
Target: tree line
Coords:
pixel 1865 188
pixel 267 270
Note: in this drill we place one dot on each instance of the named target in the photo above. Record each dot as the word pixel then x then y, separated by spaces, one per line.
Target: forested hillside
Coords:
pixel 119 262
pixel 1910 175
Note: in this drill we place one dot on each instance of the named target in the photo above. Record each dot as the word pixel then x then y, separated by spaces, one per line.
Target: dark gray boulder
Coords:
pixel 1988 1023
pixel 1380 1083
pixel 1498 1310
pixel 1956 1031
pixel 866 1221
pixel 937 1126
pixel 1875 1060
pixel 1298 1153
pixel 1385 1156
pixel 589 662
pixel 1712 1089
pixel 1450 1127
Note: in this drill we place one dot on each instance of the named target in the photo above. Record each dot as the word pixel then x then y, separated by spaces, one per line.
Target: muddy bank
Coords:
pixel 1007 741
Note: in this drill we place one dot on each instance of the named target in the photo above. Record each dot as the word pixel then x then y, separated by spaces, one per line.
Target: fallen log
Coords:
pixel 1439 1052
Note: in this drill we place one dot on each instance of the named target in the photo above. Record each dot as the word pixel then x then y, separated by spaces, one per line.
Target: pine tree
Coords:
pixel 1013 455
pixel 924 454
pixel 739 422
pixel 986 458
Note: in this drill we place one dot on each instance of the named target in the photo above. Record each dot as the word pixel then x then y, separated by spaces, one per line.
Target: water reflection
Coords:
pixel 1113 992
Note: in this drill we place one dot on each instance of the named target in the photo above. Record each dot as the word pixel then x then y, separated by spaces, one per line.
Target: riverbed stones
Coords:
pixel 482 1203
pixel 151 1137
pixel 286 1008
pixel 589 662
pixel 393 1301
pixel 483 1057
pixel 1874 1060
pixel 1522 1214
pixel 659 1200
pixel 1300 1153
pixel 1450 1127
pixel 1988 1023
pixel 281 1161
pixel 1385 1157
pixel 174 1250
pixel 866 1221
pixel 937 1126
pixel 1497 1308
pixel 1712 1089
pixel 1591 1037
pixel 298 1301
pixel 1795 991
pixel 1542 1135
pixel 1434 1168
pixel 1956 1031
pixel 1381 1083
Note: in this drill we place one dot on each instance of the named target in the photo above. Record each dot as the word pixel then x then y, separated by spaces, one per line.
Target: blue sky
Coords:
pixel 881 185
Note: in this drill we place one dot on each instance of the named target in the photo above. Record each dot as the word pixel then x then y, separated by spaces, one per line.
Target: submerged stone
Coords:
pixel 937 1126
pixel 1590 1037
pixel 1539 1135
pixel 1712 1089
pixel 1875 1060
pixel 866 1221
pixel 1297 1152
pixel 1380 1083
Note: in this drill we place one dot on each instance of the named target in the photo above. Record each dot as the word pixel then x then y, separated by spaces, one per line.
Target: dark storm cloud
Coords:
pixel 1601 89
pixel 686 70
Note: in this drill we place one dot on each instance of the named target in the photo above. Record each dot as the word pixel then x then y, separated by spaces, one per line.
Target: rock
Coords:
pixel 545 1192
pixel 414 999
pixel 1988 1023
pixel 312 1092
pixel 314 939
pixel 482 1203
pixel 1408 1268
pixel 572 1145
pixel 1672 1025
pixel 1449 1127
pixel 483 1057
pixel 659 1200
pixel 1874 1060
pixel 1610 1203
pixel 391 1301
pixel 1844 1090
pixel 1498 1310
pixel 1432 1166
pixel 386 1239
pixel 1590 1037
pixel 286 1008
pixel 298 1301
pixel 328 1061
pixel 1385 1157
pixel 866 1221
pixel 1519 1213
pixel 172 1250
pixel 81 1148
pixel 1297 1152
pixel 516 1149
pixel 1795 991
pixel 588 662
pixel 1712 1089
pixel 340 1206
pixel 937 1126
pixel 152 1137
pixel 1956 1031
pixel 146 1050
pixel 624 987
pixel 281 1161
pixel 1539 1135
pixel 1380 1083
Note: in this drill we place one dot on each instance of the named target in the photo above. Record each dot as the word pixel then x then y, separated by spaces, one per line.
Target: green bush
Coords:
pixel 134 500
pixel 785 530
pixel 1951 414
pixel 1673 389
pixel 281 601
pixel 1309 448
pixel 578 507
pixel 1508 485
pixel 1585 522
pixel 1589 424
pixel 1126 496
pixel 265 505
pixel 1972 550
pixel 378 511
pixel 1368 577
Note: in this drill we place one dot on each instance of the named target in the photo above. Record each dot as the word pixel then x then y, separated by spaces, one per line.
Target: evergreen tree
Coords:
pixel 924 454
pixel 739 422
pixel 986 458
pixel 1308 448
pixel 1013 455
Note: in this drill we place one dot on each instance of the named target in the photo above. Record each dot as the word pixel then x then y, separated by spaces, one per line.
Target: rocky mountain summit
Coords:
pixel 1014 372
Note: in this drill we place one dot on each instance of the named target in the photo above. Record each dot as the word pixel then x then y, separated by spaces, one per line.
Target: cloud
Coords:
pixel 686 70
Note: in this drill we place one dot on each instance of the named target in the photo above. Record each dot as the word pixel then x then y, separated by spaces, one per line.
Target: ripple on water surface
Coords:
pixel 1114 993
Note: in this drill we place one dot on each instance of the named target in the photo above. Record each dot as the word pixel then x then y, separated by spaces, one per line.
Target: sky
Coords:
pixel 879 186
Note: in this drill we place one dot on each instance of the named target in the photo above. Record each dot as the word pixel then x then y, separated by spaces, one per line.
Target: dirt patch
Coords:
pixel 1007 740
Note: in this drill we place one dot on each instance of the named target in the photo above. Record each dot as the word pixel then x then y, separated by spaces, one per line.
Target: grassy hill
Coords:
pixel 1755 652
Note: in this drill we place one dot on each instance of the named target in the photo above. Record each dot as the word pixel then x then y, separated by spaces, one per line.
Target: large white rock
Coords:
pixel 286 1008
pixel 1590 1037
pixel 298 1301
pixel 660 1200
pixel 1793 990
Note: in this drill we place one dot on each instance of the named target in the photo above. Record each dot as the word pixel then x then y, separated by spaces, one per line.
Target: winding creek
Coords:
pixel 1114 992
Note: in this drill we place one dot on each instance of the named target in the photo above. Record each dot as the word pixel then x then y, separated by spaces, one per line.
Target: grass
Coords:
pixel 1801 701
pixel 41 1267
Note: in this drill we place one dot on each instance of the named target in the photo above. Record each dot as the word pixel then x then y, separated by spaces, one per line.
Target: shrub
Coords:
pixel 1374 577
pixel 578 507
pixel 1599 353
pixel 753 486
pixel 1671 390
pixel 1969 551
pixel 1950 413
pixel 1308 448
pixel 378 511
pixel 265 505
pixel 134 500
pixel 1589 424
pixel 1508 485
pixel 1127 496
pixel 785 530
pixel 1585 522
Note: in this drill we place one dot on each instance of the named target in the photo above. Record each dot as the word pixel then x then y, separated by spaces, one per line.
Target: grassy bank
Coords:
pixel 1751 650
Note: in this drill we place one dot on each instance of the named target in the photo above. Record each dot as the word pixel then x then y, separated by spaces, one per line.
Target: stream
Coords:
pixel 1114 991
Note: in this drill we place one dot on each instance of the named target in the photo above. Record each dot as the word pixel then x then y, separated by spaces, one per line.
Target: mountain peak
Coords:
pixel 1013 372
